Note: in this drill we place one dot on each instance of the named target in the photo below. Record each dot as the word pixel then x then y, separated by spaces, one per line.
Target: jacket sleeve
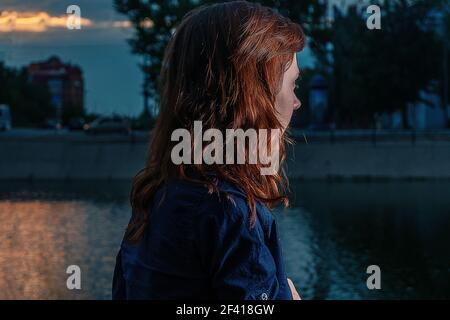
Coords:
pixel 240 264
pixel 118 285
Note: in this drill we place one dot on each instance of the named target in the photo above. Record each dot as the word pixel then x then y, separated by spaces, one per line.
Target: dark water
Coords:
pixel 330 235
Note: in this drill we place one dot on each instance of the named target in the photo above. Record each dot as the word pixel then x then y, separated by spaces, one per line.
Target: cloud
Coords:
pixel 41 21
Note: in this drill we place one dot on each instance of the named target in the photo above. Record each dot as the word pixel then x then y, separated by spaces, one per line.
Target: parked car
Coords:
pixel 77 123
pixel 5 118
pixel 114 124
pixel 52 123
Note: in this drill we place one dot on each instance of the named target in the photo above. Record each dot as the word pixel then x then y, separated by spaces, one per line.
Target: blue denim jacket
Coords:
pixel 201 246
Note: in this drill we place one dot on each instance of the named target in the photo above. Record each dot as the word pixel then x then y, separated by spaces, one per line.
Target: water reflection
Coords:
pixel 401 226
pixel 71 224
pixel 331 233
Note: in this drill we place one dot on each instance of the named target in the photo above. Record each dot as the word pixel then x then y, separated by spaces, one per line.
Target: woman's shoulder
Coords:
pixel 228 202
pixel 189 194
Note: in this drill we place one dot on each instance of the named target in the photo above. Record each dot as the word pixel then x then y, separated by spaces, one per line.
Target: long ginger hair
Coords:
pixel 223 66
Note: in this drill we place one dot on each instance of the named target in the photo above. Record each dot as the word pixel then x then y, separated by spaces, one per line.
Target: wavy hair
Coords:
pixel 223 66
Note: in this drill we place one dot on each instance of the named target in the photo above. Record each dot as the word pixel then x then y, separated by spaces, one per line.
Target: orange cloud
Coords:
pixel 122 24
pixel 11 21
pixel 14 21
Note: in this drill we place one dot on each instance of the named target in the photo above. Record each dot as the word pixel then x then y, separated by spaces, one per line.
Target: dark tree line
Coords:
pixel 30 103
pixel 368 71
pixel 375 71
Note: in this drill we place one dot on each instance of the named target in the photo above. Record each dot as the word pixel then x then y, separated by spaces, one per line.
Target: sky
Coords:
pixel 111 73
pixel 33 31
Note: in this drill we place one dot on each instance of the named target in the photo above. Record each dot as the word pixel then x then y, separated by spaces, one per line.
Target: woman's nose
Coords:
pixel 297 104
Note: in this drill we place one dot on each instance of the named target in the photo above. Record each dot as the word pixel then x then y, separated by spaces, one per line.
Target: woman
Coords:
pixel 205 230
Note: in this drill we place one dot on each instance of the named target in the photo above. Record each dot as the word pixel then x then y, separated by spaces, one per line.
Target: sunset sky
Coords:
pixel 34 30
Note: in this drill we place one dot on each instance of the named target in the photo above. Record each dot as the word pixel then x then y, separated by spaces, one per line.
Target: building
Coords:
pixel 318 102
pixel 65 83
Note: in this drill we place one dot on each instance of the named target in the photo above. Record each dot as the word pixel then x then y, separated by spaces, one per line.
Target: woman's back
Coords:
pixel 199 245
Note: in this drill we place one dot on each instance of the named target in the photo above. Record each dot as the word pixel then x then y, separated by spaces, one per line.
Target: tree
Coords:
pixel 445 82
pixel 383 70
pixel 30 104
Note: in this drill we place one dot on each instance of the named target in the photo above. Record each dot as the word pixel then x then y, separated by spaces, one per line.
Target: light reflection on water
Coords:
pixel 331 233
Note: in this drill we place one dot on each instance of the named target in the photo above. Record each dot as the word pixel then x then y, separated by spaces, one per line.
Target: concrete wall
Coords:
pixel 367 161
pixel 80 157
pixel 77 156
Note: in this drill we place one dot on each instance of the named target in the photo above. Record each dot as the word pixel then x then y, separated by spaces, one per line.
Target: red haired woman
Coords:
pixel 202 231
